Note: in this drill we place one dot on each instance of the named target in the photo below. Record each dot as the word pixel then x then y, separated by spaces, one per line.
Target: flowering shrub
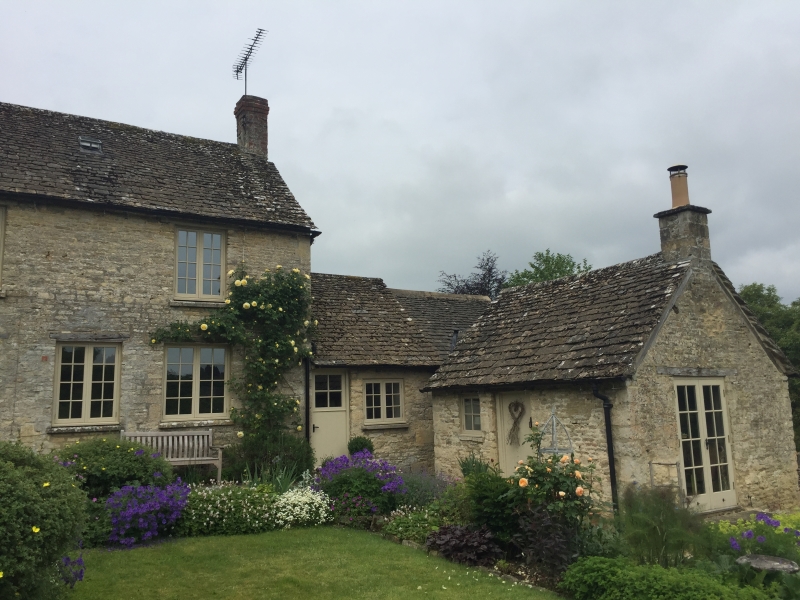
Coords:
pixel 362 475
pixel 139 514
pixel 103 465
pixel 71 571
pixel 353 510
pixel 268 317
pixel 763 535
pixel 301 508
pixel 41 516
pixel 227 509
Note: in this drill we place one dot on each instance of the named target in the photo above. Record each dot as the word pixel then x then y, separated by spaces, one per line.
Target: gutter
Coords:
pixel 612 468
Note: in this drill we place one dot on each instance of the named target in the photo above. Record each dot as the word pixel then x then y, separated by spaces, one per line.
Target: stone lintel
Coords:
pixel 88 336
pixel 83 429
pixel 695 372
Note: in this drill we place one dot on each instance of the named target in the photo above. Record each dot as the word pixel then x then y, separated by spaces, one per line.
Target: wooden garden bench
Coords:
pixel 179 448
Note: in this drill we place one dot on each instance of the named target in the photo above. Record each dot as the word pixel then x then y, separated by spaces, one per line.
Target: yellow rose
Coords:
pixel 298 401
pixel 240 434
pixel 523 482
pixel 227 300
pixel 295 270
pixel 299 428
pixel 203 326
pixel 261 387
pixel 246 305
pixel 295 349
pixel 35 529
pixel 315 321
pixel 307 276
pixel 280 309
pixel 305 323
pixel 237 283
pixel 244 281
pixel 549 470
pixel 562 494
pixel 153 341
pixel 46 484
pixel 277 266
pixel 230 272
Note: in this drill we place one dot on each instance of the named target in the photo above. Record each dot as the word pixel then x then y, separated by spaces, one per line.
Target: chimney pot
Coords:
pixel 680 187
pixel 251 114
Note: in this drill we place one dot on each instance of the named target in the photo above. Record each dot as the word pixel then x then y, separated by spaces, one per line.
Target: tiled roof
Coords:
pixel 361 323
pixel 140 169
pixel 439 315
pixel 571 329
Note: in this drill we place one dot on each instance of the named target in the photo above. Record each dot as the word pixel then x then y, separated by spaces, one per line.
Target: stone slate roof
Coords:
pixel 589 326
pixel 770 346
pixel 440 314
pixel 361 323
pixel 140 170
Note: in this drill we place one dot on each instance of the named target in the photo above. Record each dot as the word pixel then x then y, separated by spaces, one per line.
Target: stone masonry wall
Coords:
pixel 68 270
pixel 707 331
pixel 408 447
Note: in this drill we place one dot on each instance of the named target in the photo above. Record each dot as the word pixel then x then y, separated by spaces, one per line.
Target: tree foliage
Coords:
pixel 546 266
pixel 782 322
pixel 486 280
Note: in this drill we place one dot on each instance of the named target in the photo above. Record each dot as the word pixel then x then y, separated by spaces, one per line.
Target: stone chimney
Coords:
pixel 684 227
pixel 251 114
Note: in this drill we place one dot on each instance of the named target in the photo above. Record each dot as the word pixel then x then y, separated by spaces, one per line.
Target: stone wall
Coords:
pixel 410 446
pixel 85 271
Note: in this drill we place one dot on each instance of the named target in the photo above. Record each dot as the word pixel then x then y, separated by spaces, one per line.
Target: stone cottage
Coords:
pixel 375 348
pixel 109 231
pixel 698 389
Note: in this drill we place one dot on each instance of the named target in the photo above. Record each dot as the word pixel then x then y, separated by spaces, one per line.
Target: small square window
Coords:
pixel 383 401
pixel 327 391
pixel 88 384
pixel 472 414
pixel 195 386
pixel 200 256
pixel 89 144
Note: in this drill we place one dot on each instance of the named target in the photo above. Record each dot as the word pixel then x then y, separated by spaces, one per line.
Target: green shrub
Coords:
pixel 227 509
pixel 454 506
pixel 98 524
pixel 266 451
pixel 359 443
pixel 596 578
pixel 492 503
pixel 104 465
pixel 357 481
pixel 657 530
pixel 473 464
pixel 423 488
pixel 405 523
pixel 544 541
pixel 41 518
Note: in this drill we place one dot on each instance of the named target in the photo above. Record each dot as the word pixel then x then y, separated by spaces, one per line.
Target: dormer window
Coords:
pixel 90 144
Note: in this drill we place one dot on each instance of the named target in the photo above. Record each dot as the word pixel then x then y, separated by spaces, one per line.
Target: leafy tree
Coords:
pixel 487 280
pixel 782 322
pixel 547 266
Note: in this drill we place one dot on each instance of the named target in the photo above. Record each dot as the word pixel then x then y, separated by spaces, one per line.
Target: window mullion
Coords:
pixel 196 383
pixel 88 363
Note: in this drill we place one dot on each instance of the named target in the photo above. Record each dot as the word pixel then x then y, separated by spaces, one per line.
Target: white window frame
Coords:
pixel 383 419
pixel 199 265
pixel 343 391
pixel 86 385
pixel 195 414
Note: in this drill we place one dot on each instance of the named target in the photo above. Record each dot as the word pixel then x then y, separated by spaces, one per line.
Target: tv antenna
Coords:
pixel 240 66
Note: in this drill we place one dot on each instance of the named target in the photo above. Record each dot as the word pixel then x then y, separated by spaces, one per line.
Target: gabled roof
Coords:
pixel 361 323
pixel 589 326
pixel 140 170
pixel 439 315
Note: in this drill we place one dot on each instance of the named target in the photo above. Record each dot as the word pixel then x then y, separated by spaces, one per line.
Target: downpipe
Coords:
pixel 612 468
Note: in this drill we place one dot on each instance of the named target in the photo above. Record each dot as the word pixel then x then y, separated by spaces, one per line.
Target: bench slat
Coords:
pixel 180 448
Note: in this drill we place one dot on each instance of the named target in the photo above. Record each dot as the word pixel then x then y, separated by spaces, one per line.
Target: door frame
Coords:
pixel 500 399
pixel 698 383
pixel 345 373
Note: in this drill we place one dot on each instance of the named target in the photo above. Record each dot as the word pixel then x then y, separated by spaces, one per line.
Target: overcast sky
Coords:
pixel 419 134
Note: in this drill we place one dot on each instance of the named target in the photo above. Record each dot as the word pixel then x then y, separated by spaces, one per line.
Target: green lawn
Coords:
pixel 318 563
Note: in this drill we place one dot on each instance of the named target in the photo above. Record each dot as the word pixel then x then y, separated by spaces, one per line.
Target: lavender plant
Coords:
pixel 139 514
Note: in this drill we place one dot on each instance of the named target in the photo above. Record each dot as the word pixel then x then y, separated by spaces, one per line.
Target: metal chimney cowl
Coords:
pixel 251 114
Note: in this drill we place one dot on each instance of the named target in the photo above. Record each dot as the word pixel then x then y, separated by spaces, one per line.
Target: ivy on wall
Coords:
pixel 269 319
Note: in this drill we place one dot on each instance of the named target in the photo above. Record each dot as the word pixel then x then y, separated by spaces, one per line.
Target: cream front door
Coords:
pixel 513 409
pixel 706 462
pixel 329 419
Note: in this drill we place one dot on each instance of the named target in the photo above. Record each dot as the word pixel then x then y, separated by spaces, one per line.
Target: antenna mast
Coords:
pixel 240 66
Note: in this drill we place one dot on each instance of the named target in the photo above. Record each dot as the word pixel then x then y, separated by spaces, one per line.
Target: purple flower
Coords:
pixel 136 512
pixel 94 499
pixel 761 539
pixel 748 535
pixel 155 455
pixel 139 452
pixel 157 474
pixel 786 530
pixel 735 545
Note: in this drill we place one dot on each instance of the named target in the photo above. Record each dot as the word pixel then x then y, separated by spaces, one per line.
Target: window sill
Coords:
pixel 471 437
pixel 82 428
pixel 368 427
pixel 196 304
pixel 193 424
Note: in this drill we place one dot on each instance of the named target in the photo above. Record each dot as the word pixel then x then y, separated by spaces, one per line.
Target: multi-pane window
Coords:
pixel 88 378
pixel 384 400
pixel 195 383
pixel 199 265
pixel 472 414
pixel 327 391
